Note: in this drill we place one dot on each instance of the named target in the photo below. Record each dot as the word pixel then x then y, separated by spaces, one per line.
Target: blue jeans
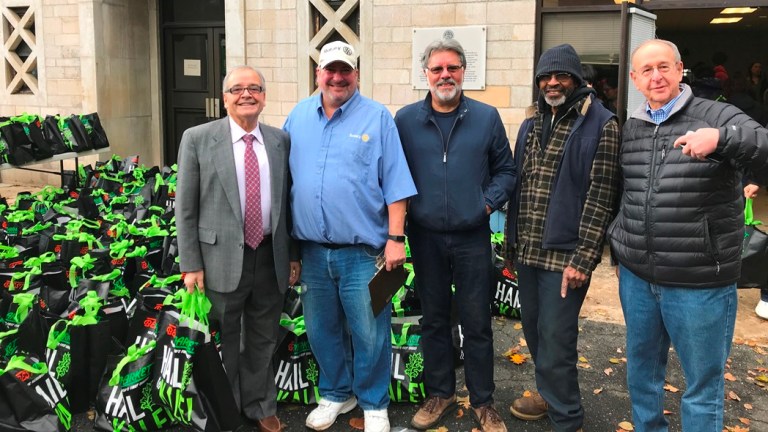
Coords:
pixel 464 259
pixel 764 294
pixel 337 305
pixel 551 328
pixel 699 323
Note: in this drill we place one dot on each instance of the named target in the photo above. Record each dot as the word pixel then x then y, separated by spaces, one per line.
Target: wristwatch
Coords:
pixel 396 238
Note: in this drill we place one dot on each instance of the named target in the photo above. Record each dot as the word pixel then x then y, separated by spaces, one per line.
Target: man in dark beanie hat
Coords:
pixel 567 157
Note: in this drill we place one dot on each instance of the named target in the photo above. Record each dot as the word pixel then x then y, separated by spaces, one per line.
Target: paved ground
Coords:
pixel 604 393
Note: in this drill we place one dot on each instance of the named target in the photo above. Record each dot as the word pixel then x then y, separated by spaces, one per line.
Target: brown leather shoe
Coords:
pixel 270 424
pixel 432 411
pixel 489 419
pixel 532 407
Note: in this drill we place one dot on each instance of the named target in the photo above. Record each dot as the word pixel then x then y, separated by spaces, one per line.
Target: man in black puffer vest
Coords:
pixel 678 236
pixel 567 157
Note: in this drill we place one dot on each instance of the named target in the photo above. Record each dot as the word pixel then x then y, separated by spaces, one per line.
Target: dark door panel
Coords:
pixel 194 64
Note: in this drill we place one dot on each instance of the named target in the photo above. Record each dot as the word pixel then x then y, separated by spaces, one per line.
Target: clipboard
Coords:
pixel 384 285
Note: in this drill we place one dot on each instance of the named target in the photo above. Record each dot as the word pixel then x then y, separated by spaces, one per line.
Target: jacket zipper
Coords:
pixel 651 180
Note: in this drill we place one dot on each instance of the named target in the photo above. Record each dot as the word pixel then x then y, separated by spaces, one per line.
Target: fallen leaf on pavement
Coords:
pixel 527 393
pixel 668 412
pixel 762 378
pixel 736 428
pixel 459 413
pixel 523 343
pixel 729 376
pixel 583 359
pixel 583 365
pixel 614 360
pixel 463 401
pixel 357 423
pixel 517 359
pixel 597 390
pixel 733 396
pixel 512 351
pixel 626 426
pixel 748 406
pixel 670 388
pixel 608 371
pixel 744 420
pixel 518 326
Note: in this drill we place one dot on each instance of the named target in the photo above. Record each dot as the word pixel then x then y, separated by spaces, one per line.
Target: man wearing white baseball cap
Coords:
pixel 350 185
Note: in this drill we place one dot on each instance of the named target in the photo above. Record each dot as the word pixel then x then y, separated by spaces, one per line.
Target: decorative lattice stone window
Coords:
pixel 19 49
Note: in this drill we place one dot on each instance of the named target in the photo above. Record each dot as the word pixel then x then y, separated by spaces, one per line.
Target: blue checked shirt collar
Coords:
pixel 660 115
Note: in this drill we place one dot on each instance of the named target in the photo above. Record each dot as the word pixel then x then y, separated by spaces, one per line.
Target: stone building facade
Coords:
pixel 79 56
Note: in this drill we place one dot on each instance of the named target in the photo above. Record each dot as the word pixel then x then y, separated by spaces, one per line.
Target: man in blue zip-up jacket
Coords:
pixel 460 160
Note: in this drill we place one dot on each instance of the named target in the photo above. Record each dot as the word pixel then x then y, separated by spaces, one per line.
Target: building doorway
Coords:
pixel 193 67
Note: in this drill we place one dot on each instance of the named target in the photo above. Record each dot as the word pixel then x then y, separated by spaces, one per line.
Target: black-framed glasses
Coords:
pixel 252 89
pixel 559 76
pixel 452 69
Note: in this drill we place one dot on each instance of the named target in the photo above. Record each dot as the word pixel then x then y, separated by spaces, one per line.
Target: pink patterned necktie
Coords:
pixel 253 226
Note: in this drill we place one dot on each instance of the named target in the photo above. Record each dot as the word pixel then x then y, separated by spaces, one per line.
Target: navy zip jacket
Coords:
pixel 456 182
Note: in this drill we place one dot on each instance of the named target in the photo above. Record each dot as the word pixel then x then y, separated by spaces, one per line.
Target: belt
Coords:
pixel 335 246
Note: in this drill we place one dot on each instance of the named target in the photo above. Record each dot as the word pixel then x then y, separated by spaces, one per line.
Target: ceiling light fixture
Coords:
pixel 725 20
pixel 738 10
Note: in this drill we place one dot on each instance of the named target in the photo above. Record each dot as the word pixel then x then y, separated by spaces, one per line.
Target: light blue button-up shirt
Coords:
pixel 660 115
pixel 345 171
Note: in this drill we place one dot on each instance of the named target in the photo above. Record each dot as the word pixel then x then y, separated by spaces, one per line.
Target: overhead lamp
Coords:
pixel 618 2
pixel 737 10
pixel 725 20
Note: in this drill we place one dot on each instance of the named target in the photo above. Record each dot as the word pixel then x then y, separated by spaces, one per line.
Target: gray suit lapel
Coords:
pixel 276 157
pixel 224 158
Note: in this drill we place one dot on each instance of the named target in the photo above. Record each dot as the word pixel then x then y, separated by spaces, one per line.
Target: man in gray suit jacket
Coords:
pixel 232 220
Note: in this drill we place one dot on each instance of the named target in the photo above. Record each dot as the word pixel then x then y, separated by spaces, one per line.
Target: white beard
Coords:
pixel 557 101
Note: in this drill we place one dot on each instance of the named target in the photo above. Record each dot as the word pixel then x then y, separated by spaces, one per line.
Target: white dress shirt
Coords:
pixel 238 146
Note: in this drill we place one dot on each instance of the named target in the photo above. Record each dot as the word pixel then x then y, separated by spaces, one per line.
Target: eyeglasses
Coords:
pixel 252 89
pixel 560 76
pixel 664 68
pixel 452 69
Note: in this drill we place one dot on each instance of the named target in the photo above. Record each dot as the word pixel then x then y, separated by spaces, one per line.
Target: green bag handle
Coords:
pixel 497 238
pixel 411 274
pixel 133 354
pixel 8 252
pixel 27 275
pixel 36 228
pixel 46 258
pixel 25 301
pixel 91 304
pixel 47 193
pixel 21 216
pixel 18 362
pixel 137 252
pixel 119 248
pixel 158 182
pixel 112 276
pixel 25 118
pixel 120 228
pixel 85 262
pixel 54 337
pixel 400 341
pixel 397 307
pixel 195 306
pixel 295 325
pixel 749 218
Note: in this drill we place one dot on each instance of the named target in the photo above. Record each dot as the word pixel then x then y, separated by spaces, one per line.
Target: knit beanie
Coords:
pixel 562 58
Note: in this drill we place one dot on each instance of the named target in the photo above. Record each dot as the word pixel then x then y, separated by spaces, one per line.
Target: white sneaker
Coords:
pixel 322 417
pixel 376 421
pixel 762 309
